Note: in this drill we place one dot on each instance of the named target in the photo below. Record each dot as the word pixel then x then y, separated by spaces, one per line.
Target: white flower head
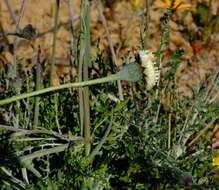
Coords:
pixel 151 71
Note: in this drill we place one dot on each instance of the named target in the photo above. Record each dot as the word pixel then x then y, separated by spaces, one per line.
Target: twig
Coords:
pixel 38 84
pixel 169 131
pixel 33 139
pixel 13 179
pixel 71 17
pixel 186 122
pixel 11 13
pixel 211 86
pixel 56 114
pixel 52 71
pixel 23 132
pixel 103 20
pixel 44 152
pixel 159 106
pixel 53 60
pixel 14 75
pixel 202 132
pixel 73 47
pixel 103 140
pixel 20 15
pixel 15 40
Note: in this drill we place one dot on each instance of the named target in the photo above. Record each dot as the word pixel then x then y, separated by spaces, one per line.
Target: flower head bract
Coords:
pixel 151 71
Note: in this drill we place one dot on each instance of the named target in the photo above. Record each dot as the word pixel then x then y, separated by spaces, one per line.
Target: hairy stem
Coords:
pixel 55 88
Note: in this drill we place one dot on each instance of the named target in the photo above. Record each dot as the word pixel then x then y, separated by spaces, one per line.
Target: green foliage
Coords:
pixel 202 14
pixel 207 22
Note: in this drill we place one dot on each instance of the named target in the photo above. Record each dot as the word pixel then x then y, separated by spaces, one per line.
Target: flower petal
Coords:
pixel 168 4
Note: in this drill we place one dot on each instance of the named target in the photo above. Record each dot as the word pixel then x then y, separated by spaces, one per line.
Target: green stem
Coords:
pixel 163 43
pixel 144 29
pixel 63 86
pixel 84 61
pixel 80 68
pixel 86 78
